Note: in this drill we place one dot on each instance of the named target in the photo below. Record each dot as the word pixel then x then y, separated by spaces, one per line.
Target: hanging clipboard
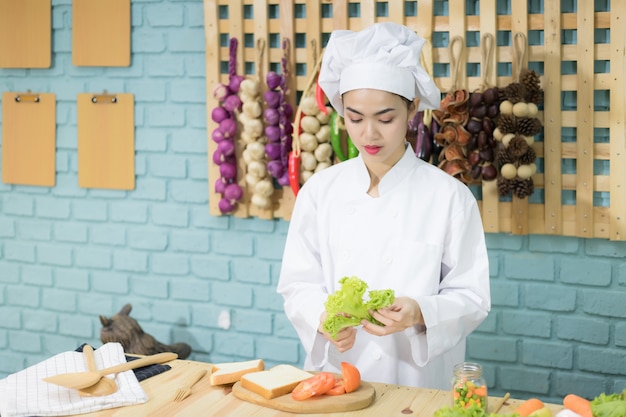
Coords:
pixel 101 33
pixel 25 34
pixel 106 141
pixel 28 138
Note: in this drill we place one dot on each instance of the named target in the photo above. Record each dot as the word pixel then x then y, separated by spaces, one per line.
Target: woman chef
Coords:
pixel 388 218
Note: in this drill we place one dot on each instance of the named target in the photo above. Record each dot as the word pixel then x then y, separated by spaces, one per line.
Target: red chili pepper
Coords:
pixel 294 172
pixel 319 97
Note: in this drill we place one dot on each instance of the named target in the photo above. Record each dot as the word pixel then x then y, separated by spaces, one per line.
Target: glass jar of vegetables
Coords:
pixel 469 387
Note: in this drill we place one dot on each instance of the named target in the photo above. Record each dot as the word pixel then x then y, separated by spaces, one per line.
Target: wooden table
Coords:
pixel 206 400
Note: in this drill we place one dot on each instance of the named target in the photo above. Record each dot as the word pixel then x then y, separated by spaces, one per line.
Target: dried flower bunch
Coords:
pixel 452 136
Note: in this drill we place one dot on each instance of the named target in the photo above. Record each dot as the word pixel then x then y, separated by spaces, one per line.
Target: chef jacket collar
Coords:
pixel 394 176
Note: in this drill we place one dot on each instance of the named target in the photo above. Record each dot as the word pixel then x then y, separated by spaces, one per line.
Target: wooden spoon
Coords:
pixel 105 386
pixel 80 380
pixel 500 403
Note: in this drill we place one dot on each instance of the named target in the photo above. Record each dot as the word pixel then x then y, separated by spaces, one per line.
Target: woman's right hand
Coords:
pixel 345 338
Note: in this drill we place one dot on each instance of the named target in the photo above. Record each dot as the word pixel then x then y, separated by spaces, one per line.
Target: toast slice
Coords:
pixel 229 372
pixel 279 380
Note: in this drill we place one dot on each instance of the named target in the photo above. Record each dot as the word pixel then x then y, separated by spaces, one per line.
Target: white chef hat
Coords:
pixel 383 56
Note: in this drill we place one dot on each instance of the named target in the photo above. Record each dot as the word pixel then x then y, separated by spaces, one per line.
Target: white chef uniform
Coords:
pixel 422 237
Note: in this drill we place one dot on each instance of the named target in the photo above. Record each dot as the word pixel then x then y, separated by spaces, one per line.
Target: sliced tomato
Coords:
pixel 338 389
pixel 316 385
pixel 351 376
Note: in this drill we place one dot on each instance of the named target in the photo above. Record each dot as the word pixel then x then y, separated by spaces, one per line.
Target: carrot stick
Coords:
pixel 577 404
pixel 481 391
pixel 528 406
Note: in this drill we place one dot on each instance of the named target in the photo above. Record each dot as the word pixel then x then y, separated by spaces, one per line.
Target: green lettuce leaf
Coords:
pixel 612 405
pixel 346 306
pixel 473 411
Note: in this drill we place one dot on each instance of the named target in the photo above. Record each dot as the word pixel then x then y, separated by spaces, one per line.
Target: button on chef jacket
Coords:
pixel 422 237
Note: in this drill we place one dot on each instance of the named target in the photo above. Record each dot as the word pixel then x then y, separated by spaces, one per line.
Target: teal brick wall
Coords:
pixel 557 320
pixel 69 254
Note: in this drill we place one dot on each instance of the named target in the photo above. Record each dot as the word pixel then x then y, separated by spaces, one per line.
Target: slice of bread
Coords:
pixel 229 372
pixel 279 380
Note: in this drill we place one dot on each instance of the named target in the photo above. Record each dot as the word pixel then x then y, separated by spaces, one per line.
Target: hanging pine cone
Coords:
pixel 515 92
pixel 523 188
pixel 530 79
pixel 529 157
pixel 503 94
pixel 504 186
pixel 535 97
pixel 528 126
pixel 504 157
pixel 518 146
pixel 507 123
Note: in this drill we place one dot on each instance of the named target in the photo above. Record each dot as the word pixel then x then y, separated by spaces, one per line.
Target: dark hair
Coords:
pixel 410 104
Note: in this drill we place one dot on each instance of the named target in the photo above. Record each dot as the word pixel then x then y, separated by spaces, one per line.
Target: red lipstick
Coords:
pixel 372 150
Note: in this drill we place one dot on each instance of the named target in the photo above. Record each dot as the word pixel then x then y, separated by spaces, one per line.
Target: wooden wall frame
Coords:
pixel 551 215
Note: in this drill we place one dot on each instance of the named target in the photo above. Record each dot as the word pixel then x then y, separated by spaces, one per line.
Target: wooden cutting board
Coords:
pixel 356 400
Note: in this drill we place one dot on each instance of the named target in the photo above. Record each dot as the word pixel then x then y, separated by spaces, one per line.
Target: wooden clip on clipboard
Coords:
pixel 28 138
pixel 106 141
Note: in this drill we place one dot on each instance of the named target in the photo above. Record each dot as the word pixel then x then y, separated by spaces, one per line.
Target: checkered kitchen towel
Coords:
pixel 24 394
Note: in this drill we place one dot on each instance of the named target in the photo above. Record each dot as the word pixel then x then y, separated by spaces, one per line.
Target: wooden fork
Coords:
pixel 185 391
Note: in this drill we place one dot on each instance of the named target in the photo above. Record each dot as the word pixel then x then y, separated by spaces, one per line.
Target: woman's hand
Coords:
pixel 345 338
pixel 402 314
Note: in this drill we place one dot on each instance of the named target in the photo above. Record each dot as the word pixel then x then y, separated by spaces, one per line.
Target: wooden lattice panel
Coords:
pixel 582 148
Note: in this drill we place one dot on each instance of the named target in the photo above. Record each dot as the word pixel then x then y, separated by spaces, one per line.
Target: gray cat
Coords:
pixel 126 330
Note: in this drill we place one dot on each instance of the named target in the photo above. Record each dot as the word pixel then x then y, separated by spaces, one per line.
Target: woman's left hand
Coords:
pixel 405 312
